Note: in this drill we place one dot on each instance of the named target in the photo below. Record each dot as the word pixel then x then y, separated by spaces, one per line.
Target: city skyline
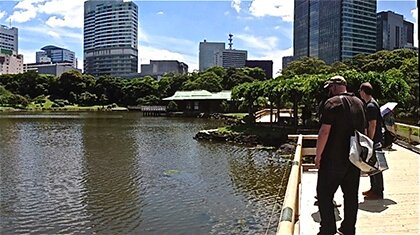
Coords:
pixel 172 30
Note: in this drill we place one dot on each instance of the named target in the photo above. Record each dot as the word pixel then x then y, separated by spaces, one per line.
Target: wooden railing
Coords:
pixel 407 131
pixel 289 222
pixel 263 112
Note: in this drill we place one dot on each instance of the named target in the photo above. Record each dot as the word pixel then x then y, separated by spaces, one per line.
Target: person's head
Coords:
pixel 365 91
pixel 336 85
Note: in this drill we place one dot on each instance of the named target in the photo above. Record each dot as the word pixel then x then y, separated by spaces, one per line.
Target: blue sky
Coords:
pixel 173 29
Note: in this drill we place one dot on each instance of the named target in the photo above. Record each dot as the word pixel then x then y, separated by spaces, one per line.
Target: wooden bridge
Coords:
pixel 397 213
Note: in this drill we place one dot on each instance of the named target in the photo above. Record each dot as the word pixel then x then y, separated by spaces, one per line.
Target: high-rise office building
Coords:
pixel 207 52
pixel 334 30
pixel 158 68
pixel 230 58
pixel 110 37
pixel 393 31
pixel 10 61
pixel 9 38
pixel 56 55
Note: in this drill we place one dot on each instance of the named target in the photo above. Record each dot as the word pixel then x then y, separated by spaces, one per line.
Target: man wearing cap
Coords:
pixel 342 114
pixel 373 115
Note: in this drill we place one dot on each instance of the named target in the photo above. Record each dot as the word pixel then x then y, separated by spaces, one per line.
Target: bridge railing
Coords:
pixel 289 222
pixel 412 133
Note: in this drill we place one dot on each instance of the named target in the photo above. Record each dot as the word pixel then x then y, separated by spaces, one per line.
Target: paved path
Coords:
pixel 397 213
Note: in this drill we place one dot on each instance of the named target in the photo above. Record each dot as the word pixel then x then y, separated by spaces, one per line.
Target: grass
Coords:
pixel 406 130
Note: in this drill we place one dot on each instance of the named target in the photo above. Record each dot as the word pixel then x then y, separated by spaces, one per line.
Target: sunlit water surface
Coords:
pixel 122 173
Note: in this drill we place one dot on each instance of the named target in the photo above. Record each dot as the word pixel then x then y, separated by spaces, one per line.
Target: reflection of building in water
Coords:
pixel 111 175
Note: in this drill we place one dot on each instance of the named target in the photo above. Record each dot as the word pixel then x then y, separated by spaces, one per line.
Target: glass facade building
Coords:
pixel 110 37
pixel 56 55
pixel 334 30
pixel 393 31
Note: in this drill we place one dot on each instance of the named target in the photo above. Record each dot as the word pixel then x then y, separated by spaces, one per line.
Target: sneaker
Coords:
pixel 373 196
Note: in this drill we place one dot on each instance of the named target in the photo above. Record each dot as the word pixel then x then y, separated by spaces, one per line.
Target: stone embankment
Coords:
pixel 272 143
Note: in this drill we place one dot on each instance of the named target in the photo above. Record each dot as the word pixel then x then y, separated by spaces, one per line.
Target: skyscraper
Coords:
pixel 334 30
pixel 207 52
pixel 110 37
pixel 393 31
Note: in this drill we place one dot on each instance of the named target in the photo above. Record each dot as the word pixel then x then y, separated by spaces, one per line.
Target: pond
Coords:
pixel 122 173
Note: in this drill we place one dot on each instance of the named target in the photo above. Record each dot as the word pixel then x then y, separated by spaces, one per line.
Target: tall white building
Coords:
pixel 110 37
pixel 9 38
pixel 207 52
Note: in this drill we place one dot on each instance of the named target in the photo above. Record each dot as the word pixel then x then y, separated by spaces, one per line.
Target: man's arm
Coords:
pixel 323 134
pixel 371 129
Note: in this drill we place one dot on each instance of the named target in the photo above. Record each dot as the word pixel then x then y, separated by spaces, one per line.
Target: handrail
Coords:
pixel 410 135
pixel 290 211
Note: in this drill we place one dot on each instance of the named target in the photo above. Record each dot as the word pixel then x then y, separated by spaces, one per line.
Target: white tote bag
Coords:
pixel 361 152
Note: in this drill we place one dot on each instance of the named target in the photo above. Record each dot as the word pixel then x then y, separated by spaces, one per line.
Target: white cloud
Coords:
pixel 236 4
pixel 414 13
pixel 147 53
pixel 53 34
pixel 2 14
pixel 160 13
pixel 259 43
pixel 65 13
pixel 278 8
pixel 28 56
pixel 26 10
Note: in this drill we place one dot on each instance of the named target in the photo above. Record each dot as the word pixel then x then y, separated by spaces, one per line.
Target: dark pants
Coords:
pixel 377 184
pixel 328 181
pixel 377 181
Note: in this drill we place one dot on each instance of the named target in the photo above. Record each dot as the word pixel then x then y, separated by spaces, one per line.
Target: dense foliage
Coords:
pixel 86 90
pixel 394 75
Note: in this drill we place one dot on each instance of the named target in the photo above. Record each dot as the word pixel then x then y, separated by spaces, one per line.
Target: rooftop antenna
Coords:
pixel 10 22
pixel 230 41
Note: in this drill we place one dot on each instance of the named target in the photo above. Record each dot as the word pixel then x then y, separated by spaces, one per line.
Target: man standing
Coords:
pixel 373 115
pixel 338 122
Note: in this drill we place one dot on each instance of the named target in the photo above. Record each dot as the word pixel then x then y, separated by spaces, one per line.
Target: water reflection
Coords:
pixel 132 174
pixel 113 193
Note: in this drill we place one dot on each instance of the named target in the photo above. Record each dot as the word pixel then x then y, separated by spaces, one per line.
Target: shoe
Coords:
pixel 366 192
pixel 373 196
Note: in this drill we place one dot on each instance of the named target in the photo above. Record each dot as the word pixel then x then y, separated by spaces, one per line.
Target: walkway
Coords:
pixel 397 213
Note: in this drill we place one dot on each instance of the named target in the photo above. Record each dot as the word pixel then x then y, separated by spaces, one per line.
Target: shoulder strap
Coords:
pixel 347 108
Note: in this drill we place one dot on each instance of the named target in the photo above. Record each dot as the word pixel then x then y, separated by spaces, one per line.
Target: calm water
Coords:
pixel 122 173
